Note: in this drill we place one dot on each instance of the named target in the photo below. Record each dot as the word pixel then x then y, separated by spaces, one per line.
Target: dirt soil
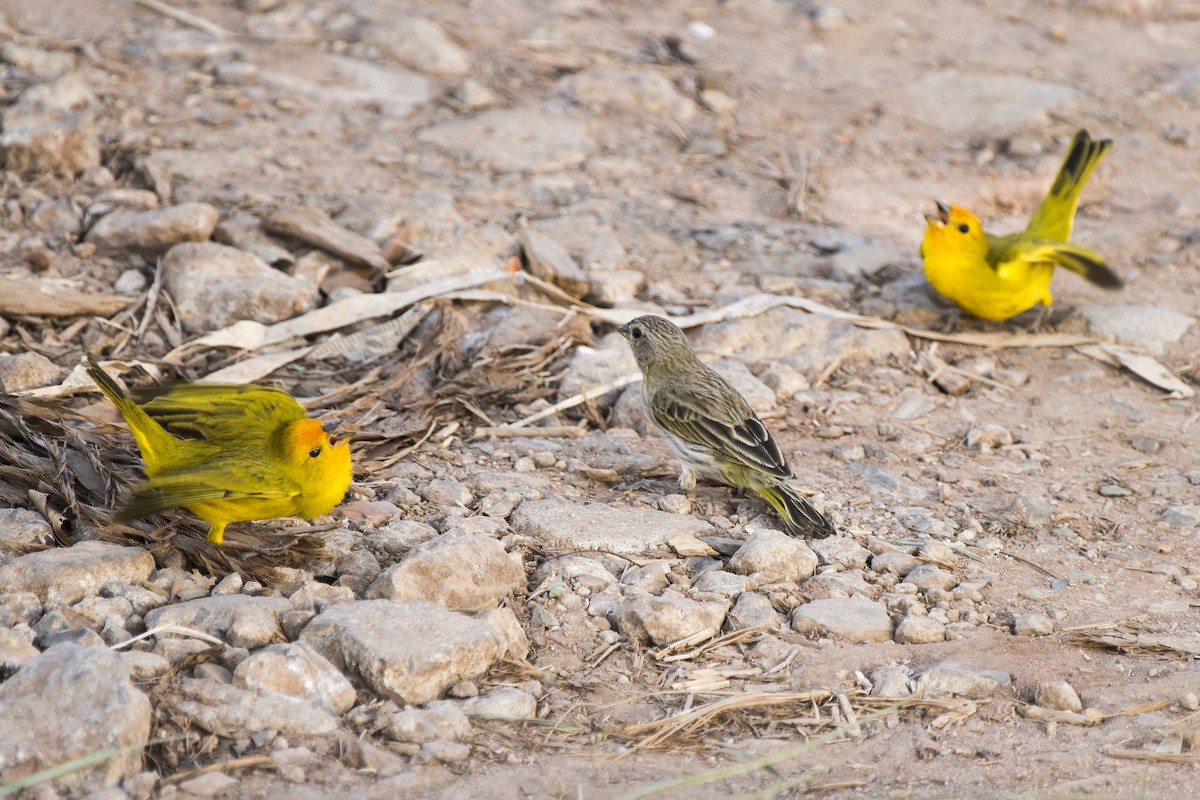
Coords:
pixel 877 110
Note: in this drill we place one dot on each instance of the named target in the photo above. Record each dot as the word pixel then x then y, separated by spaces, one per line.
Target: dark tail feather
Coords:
pixel 1089 264
pixel 800 518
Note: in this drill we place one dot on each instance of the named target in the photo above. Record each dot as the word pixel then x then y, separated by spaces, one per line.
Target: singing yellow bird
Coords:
pixel 998 277
pixel 230 453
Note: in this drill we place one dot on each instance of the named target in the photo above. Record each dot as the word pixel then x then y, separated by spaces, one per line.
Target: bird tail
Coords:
pixel 1055 217
pixel 1087 263
pixel 153 440
pixel 800 518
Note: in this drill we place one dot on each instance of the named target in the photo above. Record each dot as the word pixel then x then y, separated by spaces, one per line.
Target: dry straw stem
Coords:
pixel 765 762
pixel 1133 638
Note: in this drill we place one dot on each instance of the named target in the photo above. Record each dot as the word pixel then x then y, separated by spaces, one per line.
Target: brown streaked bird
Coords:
pixel 711 427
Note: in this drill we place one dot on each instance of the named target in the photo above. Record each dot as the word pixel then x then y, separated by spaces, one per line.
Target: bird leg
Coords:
pixel 687 480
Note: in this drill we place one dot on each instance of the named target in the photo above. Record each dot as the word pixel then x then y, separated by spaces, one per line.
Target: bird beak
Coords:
pixel 331 426
pixel 624 330
pixel 943 215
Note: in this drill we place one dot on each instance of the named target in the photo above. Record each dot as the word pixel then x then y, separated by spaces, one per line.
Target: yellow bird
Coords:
pixel 230 453
pixel 998 277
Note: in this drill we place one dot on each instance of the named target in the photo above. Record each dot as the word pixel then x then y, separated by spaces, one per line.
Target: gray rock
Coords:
pixel 591 239
pixel 841 551
pixel 16 650
pixel 1182 516
pixel 630 412
pixel 397 92
pixel 214 286
pixel 154 232
pixel 64 575
pixel 578 572
pixel 596 526
pixel 891 681
pixel 964 102
pixel 773 556
pixel 850 583
pixel 988 436
pixel 418 43
pixel 235 713
pixel 505 622
pixel 1153 327
pixel 931 576
pixel 628 91
pixel 612 288
pixel 534 140
pixel 550 261
pixel 804 341
pixel 208 785
pixel 241 620
pixel 463 573
pixel 442 720
pixel 649 578
pixel 752 611
pixel 447 493
pixel 894 563
pixel 1033 624
pixel 665 619
pixel 27 371
pixel 474 96
pixel 19 608
pixel 949 678
pixel 22 530
pixel 760 396
pixel 408 651
pixel 397 537
pixel 69 702
pixel 718 581
pixel 177 651
pixel 865 258
pixel 446 752
pixel 245 232
pixel 848 619
pixel 51 129
pixel 298 671
pixel 143 666
pixel 919 629
pixel 1058 695
pixel 40 64
pixel 503 703
pixel 593 367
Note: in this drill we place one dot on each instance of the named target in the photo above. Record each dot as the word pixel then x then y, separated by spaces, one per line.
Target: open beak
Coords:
pixel 943 214
pixel 331 426
pixel 624 330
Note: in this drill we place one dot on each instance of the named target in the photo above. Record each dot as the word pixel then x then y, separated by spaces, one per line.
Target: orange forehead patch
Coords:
pixel 305 434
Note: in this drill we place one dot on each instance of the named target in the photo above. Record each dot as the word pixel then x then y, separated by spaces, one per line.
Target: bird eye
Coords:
pixel 316 451
pixel 964 228
pixel 636 333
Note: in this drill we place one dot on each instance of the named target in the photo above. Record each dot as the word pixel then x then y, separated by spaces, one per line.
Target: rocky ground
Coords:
pixel 404 200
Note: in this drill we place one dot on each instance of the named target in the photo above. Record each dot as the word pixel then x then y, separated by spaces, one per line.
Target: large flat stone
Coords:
pixel 409 651
pixel 239 619
pixel 69 702
pixel 234 712
pixel 463 573
pixel 595 526
pixel 61 576
pixel 847 619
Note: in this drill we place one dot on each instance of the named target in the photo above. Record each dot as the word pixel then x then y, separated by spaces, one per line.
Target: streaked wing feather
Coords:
pixel 748 442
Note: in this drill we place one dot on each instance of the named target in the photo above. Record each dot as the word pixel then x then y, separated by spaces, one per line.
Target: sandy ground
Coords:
pixel 879 109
